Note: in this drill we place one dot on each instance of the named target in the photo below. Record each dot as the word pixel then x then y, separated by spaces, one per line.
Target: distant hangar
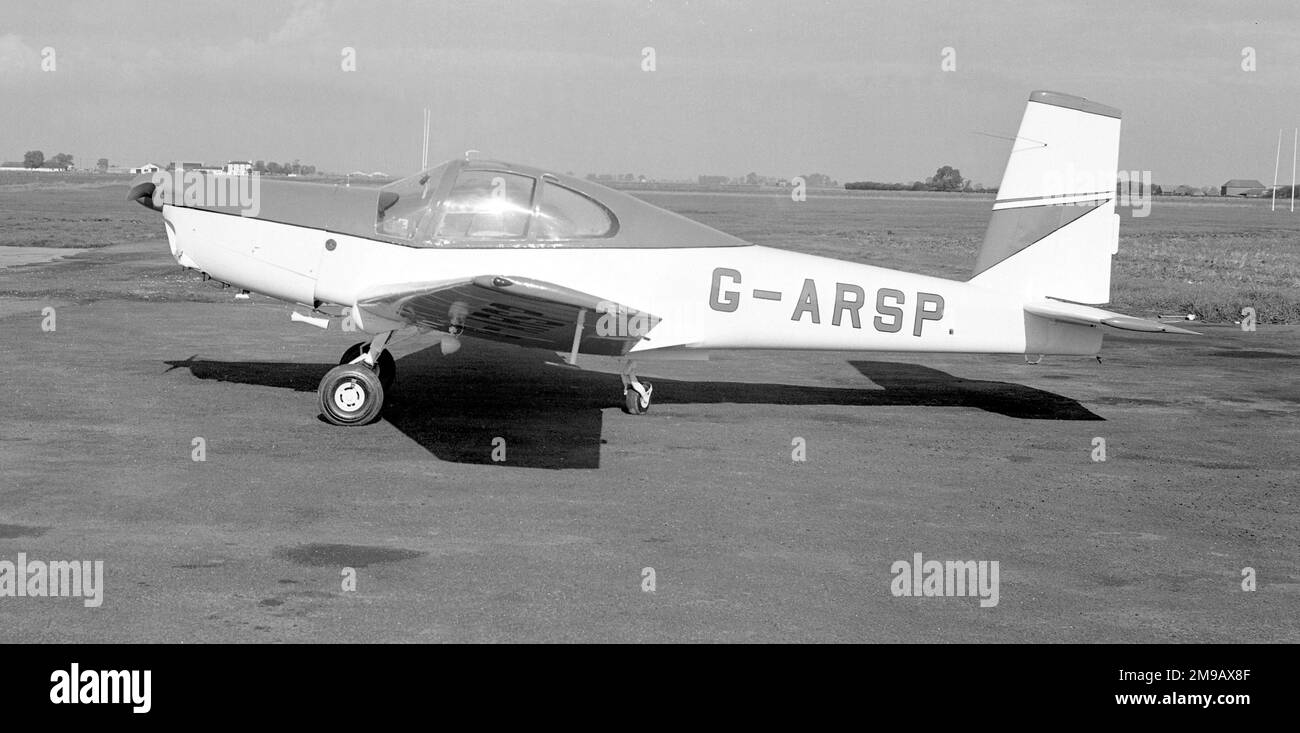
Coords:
pixel 1243 187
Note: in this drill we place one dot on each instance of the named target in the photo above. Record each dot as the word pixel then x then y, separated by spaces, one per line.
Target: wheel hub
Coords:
pixel 349 396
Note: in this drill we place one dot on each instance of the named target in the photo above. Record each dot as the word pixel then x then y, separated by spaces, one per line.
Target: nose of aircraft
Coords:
pixel 330 207
pixel 142 190
pixel 316 205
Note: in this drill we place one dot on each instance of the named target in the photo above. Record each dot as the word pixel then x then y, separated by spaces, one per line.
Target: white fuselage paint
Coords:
pixel 677 284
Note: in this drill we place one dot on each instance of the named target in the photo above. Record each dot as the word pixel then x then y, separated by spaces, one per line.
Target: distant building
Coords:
pixel 239 167
pixel 1242 187
pixel 188 165
pixel 146 168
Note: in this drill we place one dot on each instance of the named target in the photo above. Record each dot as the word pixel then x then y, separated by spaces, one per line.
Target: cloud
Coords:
pixel 307 21
pixel 16 56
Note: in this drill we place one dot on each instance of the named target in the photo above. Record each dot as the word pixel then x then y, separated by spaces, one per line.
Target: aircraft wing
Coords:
pixel 1059 310
pixel 514 310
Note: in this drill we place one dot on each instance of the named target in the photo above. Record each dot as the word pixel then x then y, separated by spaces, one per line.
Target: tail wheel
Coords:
pixel 387 365
pixel 633 404
pixel 351 394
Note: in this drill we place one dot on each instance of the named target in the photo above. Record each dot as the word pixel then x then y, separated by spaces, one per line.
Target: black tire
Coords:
pixel 350 394
pixel 632 400
pixel 387 365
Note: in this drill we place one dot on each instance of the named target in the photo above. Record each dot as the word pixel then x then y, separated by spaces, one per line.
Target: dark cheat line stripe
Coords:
pixel 1050 198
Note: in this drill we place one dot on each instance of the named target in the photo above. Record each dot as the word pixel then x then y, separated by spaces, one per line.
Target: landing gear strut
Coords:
pixel 636 393
pixel 387 366
pixel 352 393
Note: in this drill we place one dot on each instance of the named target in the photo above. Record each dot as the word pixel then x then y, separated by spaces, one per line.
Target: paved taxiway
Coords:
pixel 956 457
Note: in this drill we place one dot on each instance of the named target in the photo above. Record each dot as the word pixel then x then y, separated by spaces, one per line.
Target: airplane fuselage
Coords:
pixel 527 256
pixel 743 297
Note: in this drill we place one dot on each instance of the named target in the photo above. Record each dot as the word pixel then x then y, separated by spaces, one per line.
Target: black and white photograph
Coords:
pixel 650 322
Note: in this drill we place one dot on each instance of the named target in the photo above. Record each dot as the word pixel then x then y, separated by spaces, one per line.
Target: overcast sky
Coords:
pixel 851 89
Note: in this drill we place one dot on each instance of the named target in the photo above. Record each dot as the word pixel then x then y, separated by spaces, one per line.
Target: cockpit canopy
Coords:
pixel 475 203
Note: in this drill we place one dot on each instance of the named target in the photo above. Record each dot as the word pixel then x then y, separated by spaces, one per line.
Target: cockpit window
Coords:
pixel 488 205
pixel 567 214
pixel 406 204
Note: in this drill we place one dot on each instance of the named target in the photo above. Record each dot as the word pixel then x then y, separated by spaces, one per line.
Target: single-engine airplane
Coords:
pixel 491 250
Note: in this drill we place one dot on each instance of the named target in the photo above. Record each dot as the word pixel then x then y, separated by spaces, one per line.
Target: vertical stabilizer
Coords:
pixel 1054 226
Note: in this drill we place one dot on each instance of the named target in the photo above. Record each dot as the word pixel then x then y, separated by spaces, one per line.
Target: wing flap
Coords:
pixel 514 310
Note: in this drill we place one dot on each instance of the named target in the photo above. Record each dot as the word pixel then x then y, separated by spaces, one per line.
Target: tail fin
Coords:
pixel 1054 226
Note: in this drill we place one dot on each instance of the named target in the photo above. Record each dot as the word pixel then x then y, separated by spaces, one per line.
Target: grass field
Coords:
pixel 70 210
pixel 1208 257
pixel 1205 257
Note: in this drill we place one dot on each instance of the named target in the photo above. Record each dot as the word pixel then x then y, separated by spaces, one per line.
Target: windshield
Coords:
pixel 462 204
pixel 404 205
pixel 490 204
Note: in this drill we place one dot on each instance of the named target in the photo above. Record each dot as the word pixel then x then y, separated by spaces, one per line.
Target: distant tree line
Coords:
pixel 622 178
pixel 284 169
pixel 37 159
pixel 946 178
pixel 879 186
pixel 819 180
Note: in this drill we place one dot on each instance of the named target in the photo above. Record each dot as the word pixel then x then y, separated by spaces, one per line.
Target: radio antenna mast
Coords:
pixel 424 154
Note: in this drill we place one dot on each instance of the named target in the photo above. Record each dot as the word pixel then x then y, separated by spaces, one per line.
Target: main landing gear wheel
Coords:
pixel 387 365
pixel 351 394
pixel 633 402
pixel 636 394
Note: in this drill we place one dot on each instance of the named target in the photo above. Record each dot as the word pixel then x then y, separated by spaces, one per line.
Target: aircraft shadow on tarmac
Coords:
pixel 551 417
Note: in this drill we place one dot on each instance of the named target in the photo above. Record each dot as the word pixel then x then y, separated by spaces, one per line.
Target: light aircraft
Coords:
pixel 491 250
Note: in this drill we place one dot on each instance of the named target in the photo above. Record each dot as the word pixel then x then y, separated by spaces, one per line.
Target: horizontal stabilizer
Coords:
pixel 1086 315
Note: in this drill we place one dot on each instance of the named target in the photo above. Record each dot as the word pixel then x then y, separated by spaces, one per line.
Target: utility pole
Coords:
pixel 1277 160
pixel 1293 157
